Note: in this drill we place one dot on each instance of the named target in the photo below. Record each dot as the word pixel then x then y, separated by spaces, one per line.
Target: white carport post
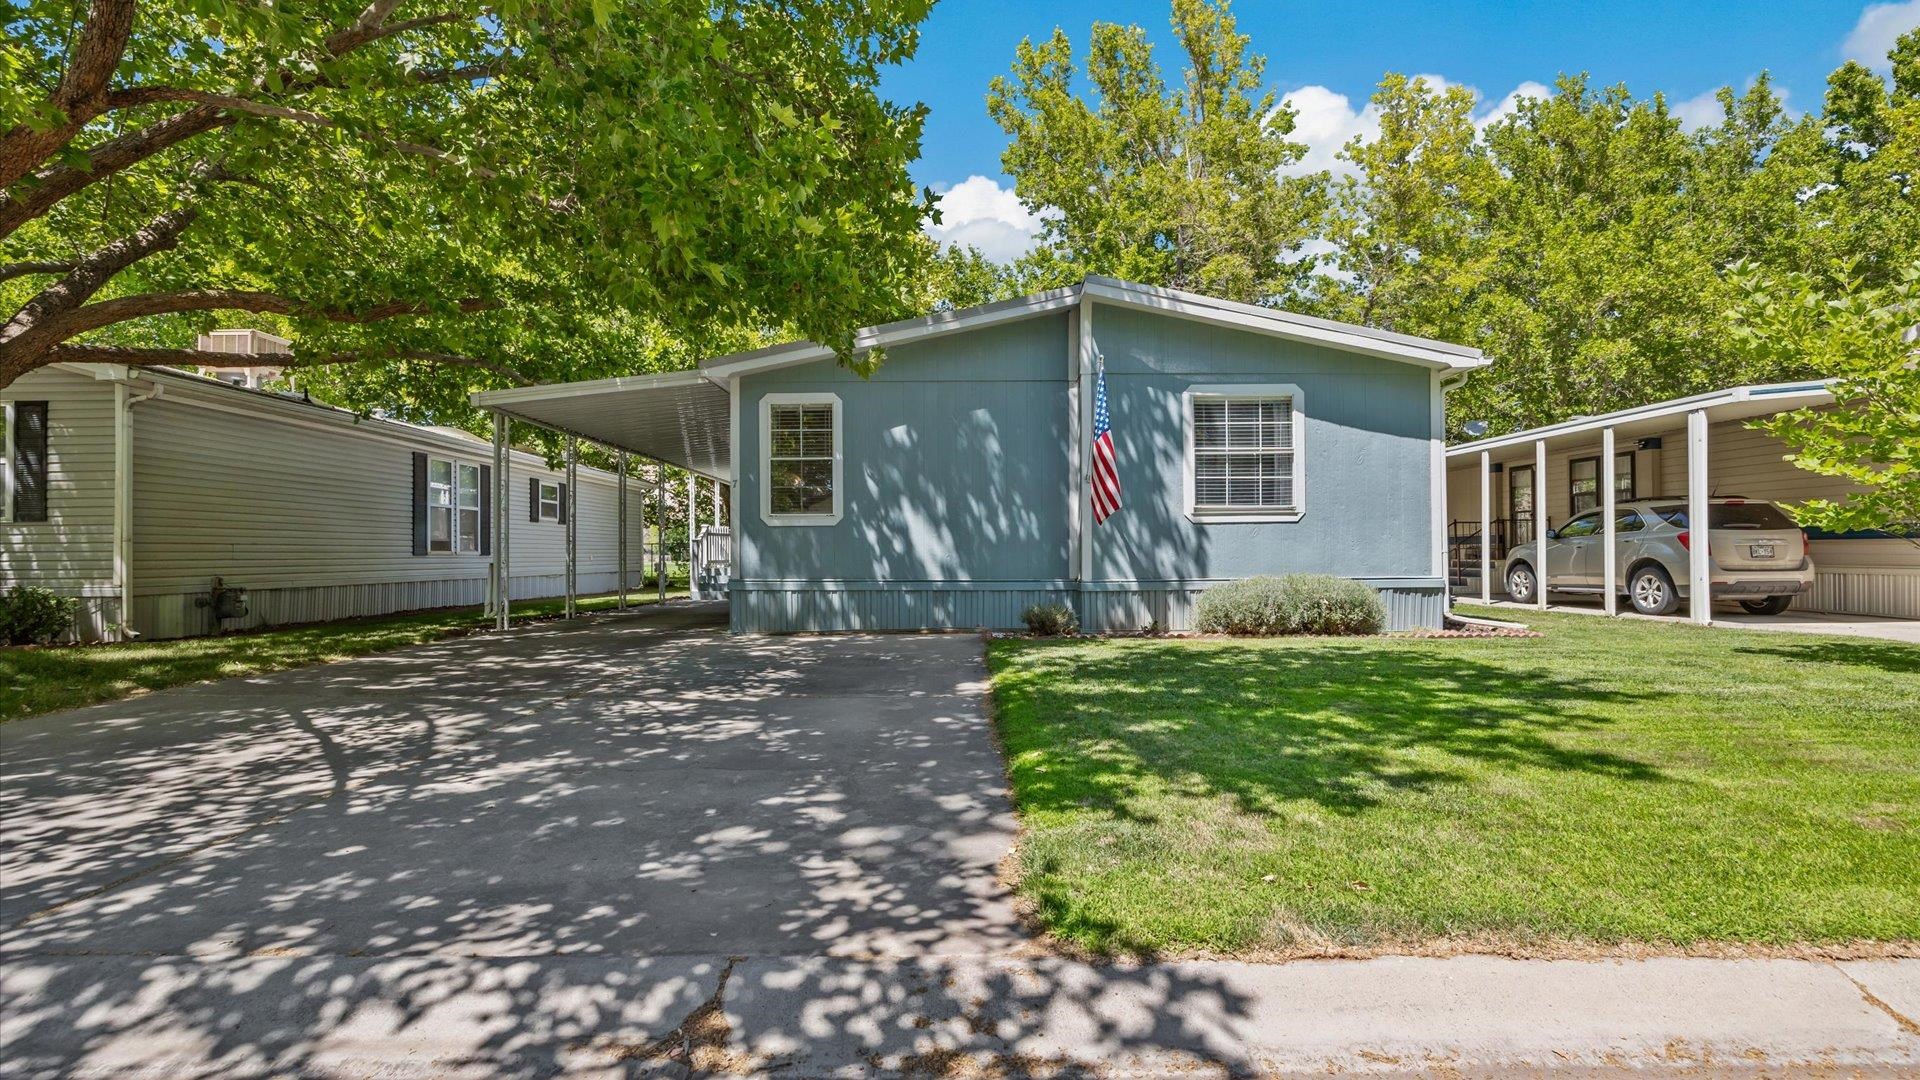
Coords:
pixel 573 523
pixel 1540 523
pixel 620 461
pixel 1699 559
pixel 1612 558
pixel 502 523
pixel 660 530
pixel 693 539
pixel 1486 527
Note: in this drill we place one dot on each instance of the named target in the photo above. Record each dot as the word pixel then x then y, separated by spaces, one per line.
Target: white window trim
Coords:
pixel 767 402
pixel 453 508
pixel 540 506
pixel 1248 390
pixel 6 462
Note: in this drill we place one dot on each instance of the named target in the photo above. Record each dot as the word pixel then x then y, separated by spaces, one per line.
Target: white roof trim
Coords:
pixel 1286 324
pixel 502 399
pixel 1815 389
pixel 1359 339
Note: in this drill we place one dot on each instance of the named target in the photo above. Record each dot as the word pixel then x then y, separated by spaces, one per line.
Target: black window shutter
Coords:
pixel 30 461
pixel 563 504
pixel 419 503
pixel 533 498
pixel 486 509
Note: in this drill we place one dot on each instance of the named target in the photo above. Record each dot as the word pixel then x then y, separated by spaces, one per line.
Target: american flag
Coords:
pixel 1106 479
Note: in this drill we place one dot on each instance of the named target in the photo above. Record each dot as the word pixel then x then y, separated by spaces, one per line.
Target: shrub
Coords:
pixel 34 616
pixel 1295 604
pixel 1050 620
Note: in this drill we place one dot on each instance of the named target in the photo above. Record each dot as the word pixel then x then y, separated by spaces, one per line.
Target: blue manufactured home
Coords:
pixel 950 489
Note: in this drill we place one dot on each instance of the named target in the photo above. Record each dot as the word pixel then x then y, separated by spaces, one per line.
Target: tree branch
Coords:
pixel 153 357
pixel 9 271
pixel 140 305
pixel 81 94
pixel 110 157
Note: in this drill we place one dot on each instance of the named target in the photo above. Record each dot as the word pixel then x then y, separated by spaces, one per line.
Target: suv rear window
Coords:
pixel 1731 516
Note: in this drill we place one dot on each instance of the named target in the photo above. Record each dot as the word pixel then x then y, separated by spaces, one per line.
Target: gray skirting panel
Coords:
pixel 784 607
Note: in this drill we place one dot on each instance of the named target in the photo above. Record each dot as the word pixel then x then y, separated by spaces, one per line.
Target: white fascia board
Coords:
pixel 894 333
pixel 1794 395
pixel 519 395
pixel 1347 337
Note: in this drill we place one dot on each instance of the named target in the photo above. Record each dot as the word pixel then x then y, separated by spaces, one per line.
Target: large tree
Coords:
pixel 1170 186
pixel 450 192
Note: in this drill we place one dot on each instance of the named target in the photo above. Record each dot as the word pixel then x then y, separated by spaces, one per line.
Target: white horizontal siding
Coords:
pixel 72 551
pixel 317 522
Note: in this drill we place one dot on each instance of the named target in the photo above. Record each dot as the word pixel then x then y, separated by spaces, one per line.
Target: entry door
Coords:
pixel 1520 502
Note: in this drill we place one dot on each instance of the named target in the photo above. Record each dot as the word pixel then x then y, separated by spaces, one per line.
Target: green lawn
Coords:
pixel 34 681
pixel 1614 782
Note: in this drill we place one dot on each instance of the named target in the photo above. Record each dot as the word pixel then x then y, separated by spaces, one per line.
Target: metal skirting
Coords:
pixel 801 607
pixel 175 615
pixel 1891 591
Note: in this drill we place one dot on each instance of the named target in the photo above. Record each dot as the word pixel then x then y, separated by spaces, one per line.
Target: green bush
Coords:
pixel 34 616
pixel 1050 620
pixel 1295 604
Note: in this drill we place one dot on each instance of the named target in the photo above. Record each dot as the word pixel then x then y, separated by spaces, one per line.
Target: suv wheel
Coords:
pixel 1652 591
pixel 1772 605
pixel 1520 583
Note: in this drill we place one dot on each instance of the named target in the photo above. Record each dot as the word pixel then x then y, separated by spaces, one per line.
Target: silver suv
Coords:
pixel 1757 555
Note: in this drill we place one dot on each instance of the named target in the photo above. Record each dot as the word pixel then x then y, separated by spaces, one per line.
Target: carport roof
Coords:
pixel 1734 403
pixel 681 418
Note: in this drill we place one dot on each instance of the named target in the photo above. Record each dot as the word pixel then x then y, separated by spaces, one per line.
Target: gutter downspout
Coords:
pixel 123 402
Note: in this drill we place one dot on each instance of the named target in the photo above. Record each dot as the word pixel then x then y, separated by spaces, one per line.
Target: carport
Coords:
pixel 682 419
pixel 1511 489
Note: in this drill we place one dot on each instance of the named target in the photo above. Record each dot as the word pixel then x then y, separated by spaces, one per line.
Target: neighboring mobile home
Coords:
pixel 134 489
pixel 950 489
pixel 1539 478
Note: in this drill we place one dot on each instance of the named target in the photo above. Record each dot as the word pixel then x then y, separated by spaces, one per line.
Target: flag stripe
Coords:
pixel 1105 474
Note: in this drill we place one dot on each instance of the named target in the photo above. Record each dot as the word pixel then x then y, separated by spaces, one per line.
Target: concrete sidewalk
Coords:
pixel 973 1016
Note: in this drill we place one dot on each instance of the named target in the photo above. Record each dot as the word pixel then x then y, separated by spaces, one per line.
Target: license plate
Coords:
pixel 1760 551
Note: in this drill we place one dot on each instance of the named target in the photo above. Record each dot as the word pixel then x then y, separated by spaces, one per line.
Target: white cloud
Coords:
pixel 979 212
pixel 1873 36
pixel 1326 120
pixel 1699 111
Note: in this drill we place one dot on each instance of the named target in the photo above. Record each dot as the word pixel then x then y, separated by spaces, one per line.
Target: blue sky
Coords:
pixel 1327 55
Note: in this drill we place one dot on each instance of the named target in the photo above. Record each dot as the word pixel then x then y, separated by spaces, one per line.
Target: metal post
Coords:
pixel 716 502
pixel 1699 523
pixel 1486 527
pixel 660 530
pixel 620 459
pixel 1612 560
pixel 573 523
pixel 502 521
pixel 1540 521
pixel 693 541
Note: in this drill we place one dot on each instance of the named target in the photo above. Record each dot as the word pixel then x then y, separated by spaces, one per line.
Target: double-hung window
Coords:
pixel 1244 453
pixel 549 501
pixel 453 507
pixel 801 459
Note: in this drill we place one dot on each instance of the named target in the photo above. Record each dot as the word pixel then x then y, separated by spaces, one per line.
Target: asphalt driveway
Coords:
pixel 627 786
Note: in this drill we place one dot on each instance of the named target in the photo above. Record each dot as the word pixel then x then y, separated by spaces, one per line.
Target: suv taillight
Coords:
pixel 1684 541
pixel 1806 543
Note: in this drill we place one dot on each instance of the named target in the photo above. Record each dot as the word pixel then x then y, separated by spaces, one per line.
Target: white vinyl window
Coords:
pixel 1244 453
pixel 801 459
pixel 453 507
pixel 549 501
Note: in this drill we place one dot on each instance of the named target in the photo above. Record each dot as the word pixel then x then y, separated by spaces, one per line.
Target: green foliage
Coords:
pixel 1173 187
pixel 1856 334
pixel 1294 604
pixel 1050 620
pixel 540 191
pixel 30 615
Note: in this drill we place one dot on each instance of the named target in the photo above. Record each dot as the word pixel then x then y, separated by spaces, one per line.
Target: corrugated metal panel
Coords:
pixel 1865 590
pixel 799 608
